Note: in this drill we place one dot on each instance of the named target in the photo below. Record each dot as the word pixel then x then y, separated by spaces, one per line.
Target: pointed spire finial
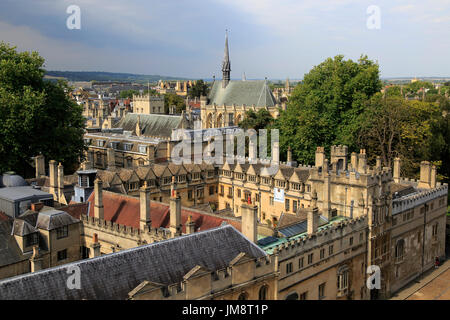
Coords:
pixel 226 65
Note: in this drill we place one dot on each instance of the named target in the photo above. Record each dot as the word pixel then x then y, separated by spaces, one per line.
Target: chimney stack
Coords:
pixel 96 246
pixel 60 182
pixel 425 175
pixel 40 165
pixel 320 156
pixel 396 173
pixel 145 217
pixel 362 161
pixel 98 199
pixel 53 178
pixel 249 220
pixel 190 225
pixel 313 220
pixel 354 161
pixel 378 164
pixel 175 211
pixel 433 177
pixel 276 152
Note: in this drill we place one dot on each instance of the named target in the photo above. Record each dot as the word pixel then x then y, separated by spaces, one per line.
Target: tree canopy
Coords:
pixel 200 88
pixel 36 116
pixel 172 99
pixel 256 120
pixel 325 108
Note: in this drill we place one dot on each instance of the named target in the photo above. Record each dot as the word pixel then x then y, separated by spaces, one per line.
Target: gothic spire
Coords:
pixel 226 65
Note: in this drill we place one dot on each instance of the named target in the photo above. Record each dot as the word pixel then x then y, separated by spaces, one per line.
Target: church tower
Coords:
pixel 226 65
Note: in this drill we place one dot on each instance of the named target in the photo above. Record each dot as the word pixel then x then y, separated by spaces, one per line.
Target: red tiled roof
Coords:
pixel 125 210
pixel 76 209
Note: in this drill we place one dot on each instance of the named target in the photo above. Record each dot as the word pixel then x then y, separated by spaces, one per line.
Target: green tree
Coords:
pixel 36 116
pixel 325 108
pixel 172 99
pixel 394 127
pixel 256 120
pixel 200 88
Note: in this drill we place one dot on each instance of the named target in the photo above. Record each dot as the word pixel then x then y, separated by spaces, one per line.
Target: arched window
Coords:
pixel 263 293
pixel 243 296
pixel 292 296
pixel 342 278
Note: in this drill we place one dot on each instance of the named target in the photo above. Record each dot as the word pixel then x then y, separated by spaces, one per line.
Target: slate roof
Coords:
pixel 52 219
pixel 22 193
pixel 157 125
pixel 22 228
pixel 9 250
pixel 113 276
pixel 242 92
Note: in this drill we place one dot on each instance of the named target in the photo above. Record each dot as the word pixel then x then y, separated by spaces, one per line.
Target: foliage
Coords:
pixel 172 99
pixel 394 127
pixel 200 88
pixel 36 116
pixel 256 120
pixel 324 109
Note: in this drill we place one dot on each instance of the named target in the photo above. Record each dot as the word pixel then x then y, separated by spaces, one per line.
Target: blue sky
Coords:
pixel 268 38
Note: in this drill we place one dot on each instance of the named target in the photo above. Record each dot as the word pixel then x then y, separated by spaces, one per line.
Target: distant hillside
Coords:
pixel 106 76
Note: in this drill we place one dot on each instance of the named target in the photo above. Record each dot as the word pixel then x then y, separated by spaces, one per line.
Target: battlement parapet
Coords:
pixel 322 236
pixel 416 199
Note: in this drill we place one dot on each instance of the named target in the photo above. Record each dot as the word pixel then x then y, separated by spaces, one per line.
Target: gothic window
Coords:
pixel 263 292
pixel 342 278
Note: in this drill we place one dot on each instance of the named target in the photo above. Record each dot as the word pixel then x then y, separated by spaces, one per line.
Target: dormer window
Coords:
pixel 295 186
pixel 31 239
pixel 100 143
pixel 181 178
pixel 87 141
pixel 280 184
pixel 196 176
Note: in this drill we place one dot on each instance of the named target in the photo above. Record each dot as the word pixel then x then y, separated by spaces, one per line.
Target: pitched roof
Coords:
pixel 155 125
pixel 9 250
pixel 245 92
pixel 125 210
pixel 114 275
pixel 51 219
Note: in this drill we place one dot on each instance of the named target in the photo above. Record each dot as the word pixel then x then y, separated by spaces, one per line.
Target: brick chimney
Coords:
pixel 37 206
pixel 249 214
pixel 144 198
pixel 96 246
pixel 98 199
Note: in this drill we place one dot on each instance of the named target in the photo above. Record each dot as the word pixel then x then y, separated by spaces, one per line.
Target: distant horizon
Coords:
pixel 267 38
pixel 240 78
